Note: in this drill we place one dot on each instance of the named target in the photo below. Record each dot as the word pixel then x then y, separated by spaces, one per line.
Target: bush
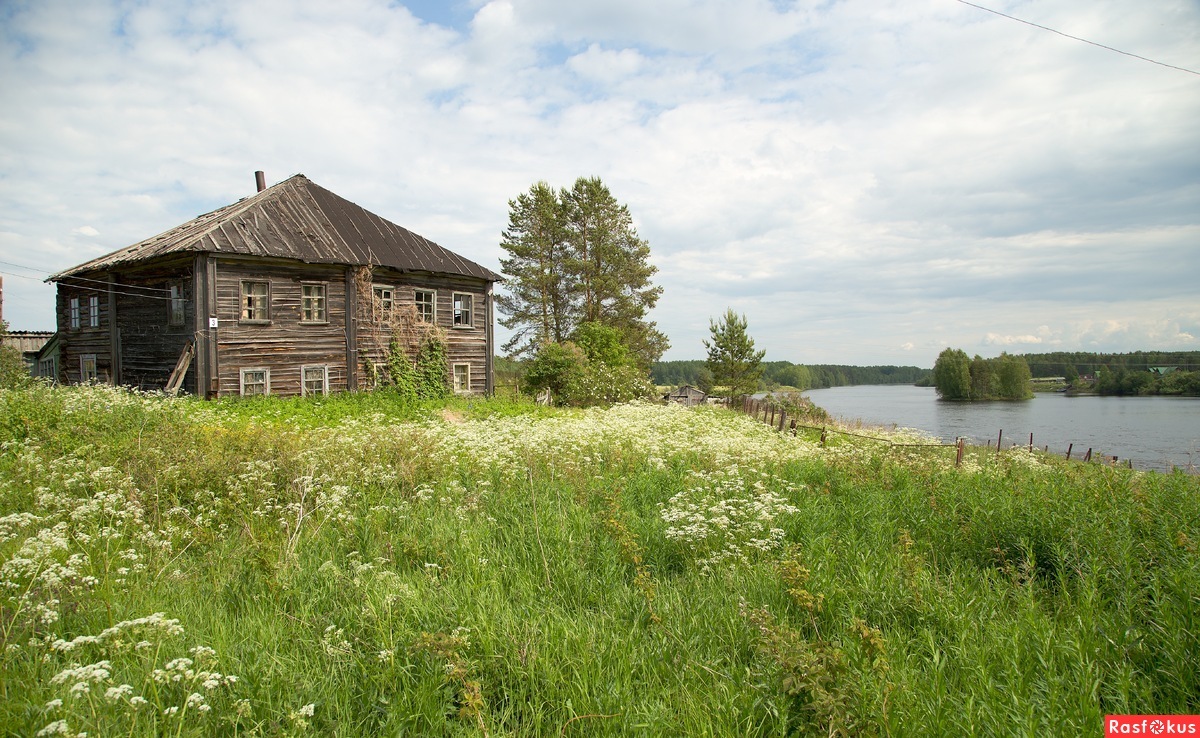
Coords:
pixel 13 371
pixel 564 369
pixel 558 367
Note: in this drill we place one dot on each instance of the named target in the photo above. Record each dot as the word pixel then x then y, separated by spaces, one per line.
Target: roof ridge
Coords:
pixel 295 219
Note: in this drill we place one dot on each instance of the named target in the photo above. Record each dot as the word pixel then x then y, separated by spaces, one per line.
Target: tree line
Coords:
pixel 1072 364
pixel 1133 373
pixel 776 374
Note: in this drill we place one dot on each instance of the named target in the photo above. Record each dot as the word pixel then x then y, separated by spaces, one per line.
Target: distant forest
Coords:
pixel 1137 372
pixel 786 374
pixel 1060 363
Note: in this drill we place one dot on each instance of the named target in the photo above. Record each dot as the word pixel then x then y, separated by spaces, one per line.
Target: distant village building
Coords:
pixel 29 343
pixel 687 395
pixel 286 292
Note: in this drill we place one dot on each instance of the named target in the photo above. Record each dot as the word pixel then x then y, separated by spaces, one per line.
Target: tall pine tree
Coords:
pixel 539 300
pixel 575 257
pixel 731 356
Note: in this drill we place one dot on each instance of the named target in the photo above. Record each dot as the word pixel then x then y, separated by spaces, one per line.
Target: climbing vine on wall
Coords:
pixel 414 363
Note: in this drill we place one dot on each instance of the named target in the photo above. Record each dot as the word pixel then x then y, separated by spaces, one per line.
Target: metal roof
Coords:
pixel 296 219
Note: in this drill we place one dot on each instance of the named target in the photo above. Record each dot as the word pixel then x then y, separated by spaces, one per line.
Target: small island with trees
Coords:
pixel 1005 377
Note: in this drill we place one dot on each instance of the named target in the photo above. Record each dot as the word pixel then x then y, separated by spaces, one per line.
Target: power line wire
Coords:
pixel 1076 38
pixel 104 282
pixel 98 290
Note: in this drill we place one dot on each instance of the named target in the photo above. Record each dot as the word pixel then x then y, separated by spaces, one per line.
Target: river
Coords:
pixel 1157 433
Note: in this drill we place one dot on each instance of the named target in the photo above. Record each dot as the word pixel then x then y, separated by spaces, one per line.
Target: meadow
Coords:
pixel 357 566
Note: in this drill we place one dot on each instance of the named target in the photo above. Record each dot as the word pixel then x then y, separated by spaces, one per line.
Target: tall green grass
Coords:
pixel 362 567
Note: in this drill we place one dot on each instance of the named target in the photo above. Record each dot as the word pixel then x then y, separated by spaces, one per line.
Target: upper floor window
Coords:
pixel 426 301
pixel 74 310
pixel 462 310
pixel 312 303
pixel 385 300
pixel 175 316
pixel 94 311
pixel 256 301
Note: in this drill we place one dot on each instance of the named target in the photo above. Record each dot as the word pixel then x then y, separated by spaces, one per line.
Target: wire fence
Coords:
pixel 775 415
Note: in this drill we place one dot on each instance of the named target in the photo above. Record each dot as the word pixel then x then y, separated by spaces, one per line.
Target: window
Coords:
pixel 462 310
pixel 385 300
pixel 175 317
pixel 256 301
pixel 314 380
pixel 75 313
pixel 94 311
pixel 256 382
pixel 312 303
pixel 87 368
pixel 48 368
pixel 462 378
pixel 426 301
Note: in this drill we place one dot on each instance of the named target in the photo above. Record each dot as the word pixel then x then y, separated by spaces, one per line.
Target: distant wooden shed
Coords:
pixel 289 291
pixel 687 395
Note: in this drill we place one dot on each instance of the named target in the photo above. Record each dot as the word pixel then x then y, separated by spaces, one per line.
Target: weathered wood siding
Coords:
pixel 150 345
pixel 464 345
pixel 285 344
pixel 78 342
pixel 146 344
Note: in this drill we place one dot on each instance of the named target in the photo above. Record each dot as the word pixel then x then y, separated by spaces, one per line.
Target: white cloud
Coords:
pixel 868 182
pixel 993 339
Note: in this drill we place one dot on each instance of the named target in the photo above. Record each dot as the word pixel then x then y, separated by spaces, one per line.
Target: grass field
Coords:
pixel 360 567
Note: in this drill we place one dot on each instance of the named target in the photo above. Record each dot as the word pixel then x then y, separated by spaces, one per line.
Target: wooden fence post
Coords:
pixel 782 417
pixel 822 436
pixel 1030 443
pixel 1089 455
pixel 793 426
pixel 1069 447
pixel 959 455
pixel 772 415
pixel 998 438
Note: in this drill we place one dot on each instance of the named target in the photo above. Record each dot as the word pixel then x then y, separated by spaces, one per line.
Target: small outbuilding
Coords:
pixel 687 395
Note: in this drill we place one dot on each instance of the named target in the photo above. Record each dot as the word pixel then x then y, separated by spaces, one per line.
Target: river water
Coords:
pixel 1157 433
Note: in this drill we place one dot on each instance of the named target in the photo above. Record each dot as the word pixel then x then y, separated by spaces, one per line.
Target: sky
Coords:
pixel 867 181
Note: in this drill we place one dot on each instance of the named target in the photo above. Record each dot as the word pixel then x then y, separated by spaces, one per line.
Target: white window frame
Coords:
pixel 94 311
pixel 266 380
pixel 383 300
pixel 74 312
pixel 176 307
pixel 48 367
pixel 314 308
pixel 431 303
pixel 249 313
pixel 463 318
pixel 461 387
pixel 304 391
pixel 84 374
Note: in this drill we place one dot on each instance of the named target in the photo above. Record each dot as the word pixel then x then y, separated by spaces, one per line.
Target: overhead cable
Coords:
pixel 1076 38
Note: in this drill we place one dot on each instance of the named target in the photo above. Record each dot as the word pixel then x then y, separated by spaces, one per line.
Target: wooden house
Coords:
pixel 291 291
